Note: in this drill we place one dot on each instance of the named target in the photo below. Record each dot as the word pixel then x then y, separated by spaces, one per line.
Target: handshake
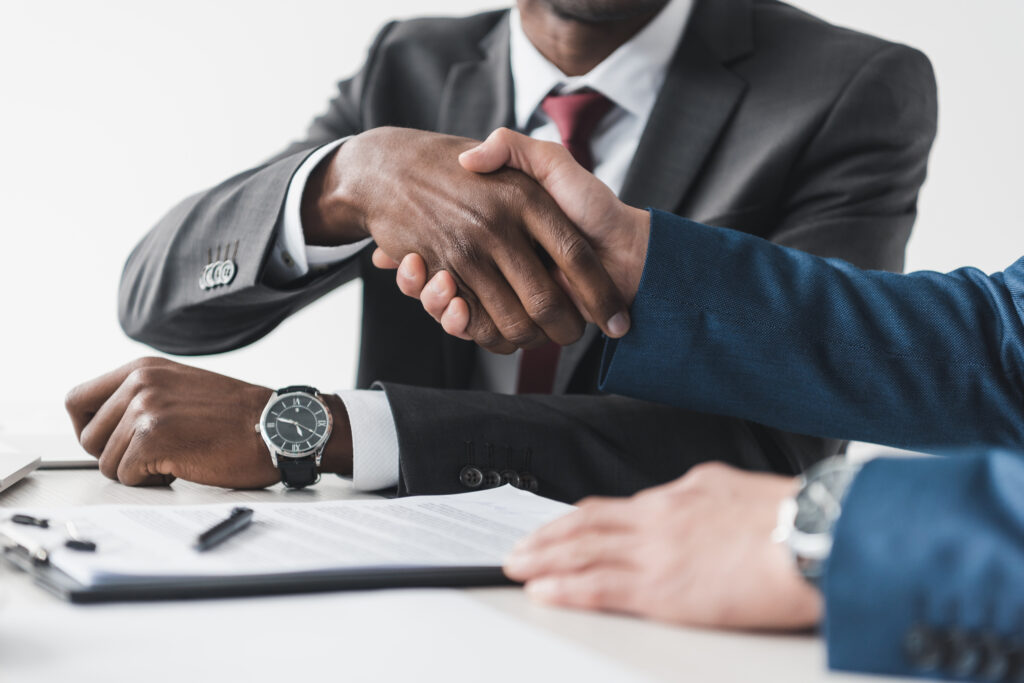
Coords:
pixel 543 246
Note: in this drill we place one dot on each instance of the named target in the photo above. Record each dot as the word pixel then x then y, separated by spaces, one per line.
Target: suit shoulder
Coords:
pixel 454 37
pixel 779 24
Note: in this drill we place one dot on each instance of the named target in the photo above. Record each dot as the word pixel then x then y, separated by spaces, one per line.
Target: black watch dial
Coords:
pixel 296 424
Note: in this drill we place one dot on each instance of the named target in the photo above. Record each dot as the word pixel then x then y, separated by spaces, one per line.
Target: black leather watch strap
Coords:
pixel 298 473
pixel 298 387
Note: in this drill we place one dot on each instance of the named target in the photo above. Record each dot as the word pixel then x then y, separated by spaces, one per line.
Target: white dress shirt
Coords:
pixel 630 77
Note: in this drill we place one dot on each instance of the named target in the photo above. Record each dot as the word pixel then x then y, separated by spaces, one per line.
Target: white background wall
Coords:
pixel 111 111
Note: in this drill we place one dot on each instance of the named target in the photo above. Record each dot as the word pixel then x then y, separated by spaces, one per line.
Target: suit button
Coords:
pixel 510 477
pixel 964 655
pixel 491 479
pixel 921 646
pixel 1015 654
pixel 471 477
pixel 528 482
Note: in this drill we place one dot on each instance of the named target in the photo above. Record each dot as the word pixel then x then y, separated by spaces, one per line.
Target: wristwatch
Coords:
pixel 808 519
pixel 296 425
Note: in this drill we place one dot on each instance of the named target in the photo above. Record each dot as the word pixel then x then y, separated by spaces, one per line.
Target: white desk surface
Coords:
pixel 491 634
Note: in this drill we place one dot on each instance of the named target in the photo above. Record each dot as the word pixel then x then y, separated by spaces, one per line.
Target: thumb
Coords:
pixel 489 155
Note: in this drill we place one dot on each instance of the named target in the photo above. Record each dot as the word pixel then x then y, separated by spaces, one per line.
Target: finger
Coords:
pixel 604 547
pixel 83 401
pixel 455 318
pixel 382 260
pixel 554 168
pixel 503 308
pixel 105 420
pixel 138 466
pixel 612 514
pixel 540 296
pixel 115 446
pixel 411 275
pixel 438 293
pixel 560 278
pixel 603 588
pixel 574 256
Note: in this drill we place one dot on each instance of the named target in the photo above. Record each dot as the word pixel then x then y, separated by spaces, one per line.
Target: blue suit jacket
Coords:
pixel 926 573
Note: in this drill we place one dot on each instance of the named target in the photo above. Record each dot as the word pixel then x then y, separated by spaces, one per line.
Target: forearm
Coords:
pixel 730 324
pixel 161 302
pixel 925 568
pixel 573 445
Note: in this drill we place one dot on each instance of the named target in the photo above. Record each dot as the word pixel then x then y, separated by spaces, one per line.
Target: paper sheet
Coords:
pixel 145 542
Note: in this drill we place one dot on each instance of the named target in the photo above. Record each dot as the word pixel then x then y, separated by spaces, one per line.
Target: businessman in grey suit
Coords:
pixel 748 114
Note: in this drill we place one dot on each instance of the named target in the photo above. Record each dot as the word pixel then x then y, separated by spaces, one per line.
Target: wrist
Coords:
pixel 634 254
pixel 801 601
pixel 331 211
pixel 337 457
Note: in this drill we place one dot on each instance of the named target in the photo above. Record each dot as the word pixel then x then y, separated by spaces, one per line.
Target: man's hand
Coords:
pixel 617 232
pixel 154 420
pixel 406 189
pixel 697 551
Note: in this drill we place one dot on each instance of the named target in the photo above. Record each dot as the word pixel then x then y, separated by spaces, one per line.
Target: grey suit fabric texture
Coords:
pixel 770 121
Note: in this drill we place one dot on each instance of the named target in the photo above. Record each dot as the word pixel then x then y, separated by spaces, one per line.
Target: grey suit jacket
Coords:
pixel 770 121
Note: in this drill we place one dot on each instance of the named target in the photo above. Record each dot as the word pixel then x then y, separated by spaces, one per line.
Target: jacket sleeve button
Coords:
pixel 995 656
pixel 510 477
pixel 471 477
pixel 964 655
pixel 921 646
pixel 528 482
pixel 491 479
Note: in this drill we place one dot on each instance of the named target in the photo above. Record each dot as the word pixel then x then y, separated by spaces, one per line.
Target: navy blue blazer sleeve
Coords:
pixel 927 568
pixel 730 324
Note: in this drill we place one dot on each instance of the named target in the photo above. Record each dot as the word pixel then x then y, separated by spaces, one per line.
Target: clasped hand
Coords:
pixel 616 233
pixel 494 234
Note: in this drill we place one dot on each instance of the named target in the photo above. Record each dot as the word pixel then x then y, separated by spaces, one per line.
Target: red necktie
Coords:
pixel 576 116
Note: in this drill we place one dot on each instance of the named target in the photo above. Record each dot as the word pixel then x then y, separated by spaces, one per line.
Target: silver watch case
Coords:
pixel 317 449
pixel 822 491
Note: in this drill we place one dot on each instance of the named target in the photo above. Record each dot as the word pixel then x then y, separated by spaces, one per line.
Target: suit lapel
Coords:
pixel 477 98
pixel 477 95
pixel 696 101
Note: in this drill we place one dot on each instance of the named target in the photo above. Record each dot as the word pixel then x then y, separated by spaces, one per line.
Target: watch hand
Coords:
pixel 295 424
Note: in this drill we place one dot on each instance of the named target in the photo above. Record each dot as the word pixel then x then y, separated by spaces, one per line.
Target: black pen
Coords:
pixel 238 520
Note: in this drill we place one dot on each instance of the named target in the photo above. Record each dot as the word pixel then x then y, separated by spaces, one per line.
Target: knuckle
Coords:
pixel 73 399
pixel 486 336
pixel 108 467
pixel 520 332
pixel 594 592
pixel 503 134
pixel 546 307
pixel 705 473
pixel 148 362
pixel 574 250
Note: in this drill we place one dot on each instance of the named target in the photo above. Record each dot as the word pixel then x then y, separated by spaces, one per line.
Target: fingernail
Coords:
pixel 542 589
pixel 436 287
pixel 404 272
pixel 618 325
pixel 469 152
pixel 516 563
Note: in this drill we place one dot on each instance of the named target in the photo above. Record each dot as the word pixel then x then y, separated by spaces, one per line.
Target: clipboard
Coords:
pixel 145 552
pixel 58 583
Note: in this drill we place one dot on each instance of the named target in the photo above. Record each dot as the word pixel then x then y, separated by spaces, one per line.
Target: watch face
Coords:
pixel 296 424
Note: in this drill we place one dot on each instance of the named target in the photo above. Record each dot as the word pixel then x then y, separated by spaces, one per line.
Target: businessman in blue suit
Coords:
pixel 926 559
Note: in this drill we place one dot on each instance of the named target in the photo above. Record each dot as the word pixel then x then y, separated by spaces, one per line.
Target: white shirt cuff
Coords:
pixel 291 257
pixel 374 439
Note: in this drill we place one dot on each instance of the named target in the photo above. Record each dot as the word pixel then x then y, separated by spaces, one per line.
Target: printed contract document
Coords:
pixel 286 542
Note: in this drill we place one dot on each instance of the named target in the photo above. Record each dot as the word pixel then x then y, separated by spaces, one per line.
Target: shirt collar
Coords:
pixel 631 76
